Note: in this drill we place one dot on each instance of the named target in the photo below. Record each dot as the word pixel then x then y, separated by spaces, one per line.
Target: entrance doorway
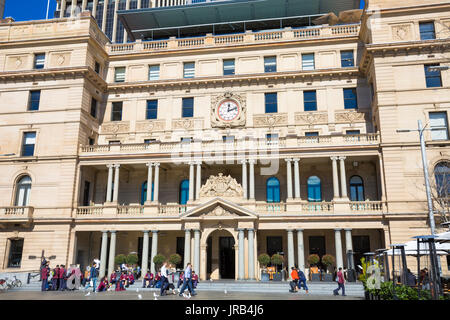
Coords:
pixel 227 261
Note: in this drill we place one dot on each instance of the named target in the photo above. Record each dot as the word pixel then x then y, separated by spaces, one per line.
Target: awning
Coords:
pixel 441 242
pixel 226 16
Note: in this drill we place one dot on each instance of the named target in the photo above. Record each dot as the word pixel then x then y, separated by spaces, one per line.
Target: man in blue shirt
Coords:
pixel 187 281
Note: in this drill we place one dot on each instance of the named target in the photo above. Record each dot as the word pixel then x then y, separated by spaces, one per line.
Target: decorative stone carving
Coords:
pixel 114 128
pixel 270 120
pixel 18 62
pixel 219 212
pixel 401 32
pixel 187 124
pixel 221 186
pixel 146 126
pixel 239 100
pixel 351 117
pixel 311 118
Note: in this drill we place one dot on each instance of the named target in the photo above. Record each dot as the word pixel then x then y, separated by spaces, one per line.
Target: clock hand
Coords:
pixel 235 108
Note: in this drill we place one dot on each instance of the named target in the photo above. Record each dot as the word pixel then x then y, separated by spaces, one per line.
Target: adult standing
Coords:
pixel 55 278
pixel 341 282
pixel 294 282
pixel 44 276
pixel 187 280
pixel 62 278
pixel 93 276
pixel 164 278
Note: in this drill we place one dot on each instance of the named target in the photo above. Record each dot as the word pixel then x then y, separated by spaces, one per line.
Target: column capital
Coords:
pixel 243 161
pixel 290 230
pixel 110 166
pixel 196 230
pixel 296 159
pixel 117 166
pixel 187 230
pixel 155 231
pixel 199 163
pixel 251 229
pixel 300 230
pixel 156 164
pixel 146 231
pixel 288 159
pixel 149 164
pixel 347 229
pixel 252 161
pixel 105 231
pixel 334 158
pixel 337 229
pixel 240 229
pixel 113 231
pixel 342 158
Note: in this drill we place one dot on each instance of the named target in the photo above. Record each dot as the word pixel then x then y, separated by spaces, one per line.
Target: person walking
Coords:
pixel 187 281
pixel 294 282
pixel 164 279
pixel 93 275
pixel 341 282
pixel 302 280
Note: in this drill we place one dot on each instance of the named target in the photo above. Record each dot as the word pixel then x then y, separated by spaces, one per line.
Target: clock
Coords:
pixel 228 110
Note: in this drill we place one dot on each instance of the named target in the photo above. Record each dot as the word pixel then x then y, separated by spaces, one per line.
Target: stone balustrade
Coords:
pixel 367 206
pixel 16 214
pixel 286 34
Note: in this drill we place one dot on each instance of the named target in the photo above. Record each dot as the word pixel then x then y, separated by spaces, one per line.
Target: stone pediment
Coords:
pixel 221 186
pixel 219 208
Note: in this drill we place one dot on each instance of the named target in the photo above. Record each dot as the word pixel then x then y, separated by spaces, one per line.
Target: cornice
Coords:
pixel 53 73
pixel 246 79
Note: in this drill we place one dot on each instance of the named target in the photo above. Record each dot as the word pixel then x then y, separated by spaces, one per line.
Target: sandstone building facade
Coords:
pixel 256 142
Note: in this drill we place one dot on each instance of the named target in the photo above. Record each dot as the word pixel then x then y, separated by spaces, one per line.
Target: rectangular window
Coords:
pixel 93 107
pixel 439 126
pixel 274 245
pixel 186 140
pixel 152 109
pixel 149 141
pixel 272 138
pixel 97 67
pixel 312 134
pixel 119 74
pixel 427 30
pixel 432 77
pixel 114 142
pixel 116 111
pixel 309 100
pixel 308 61
pixel 15 253
pixel 228 67
pixel 33 100
pixel 352 132
pixel 29 140
pixel 228 139
pixel 39 60
pixel 153 73
pixel 187 108
pixel 347 59
pixel 270 64
pixel 189 70
pixel 350 98
pixel 87 187
pixel 91 141
pixel 271 102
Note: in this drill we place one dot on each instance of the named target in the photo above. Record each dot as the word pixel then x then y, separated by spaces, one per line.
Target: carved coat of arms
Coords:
pixel 221 186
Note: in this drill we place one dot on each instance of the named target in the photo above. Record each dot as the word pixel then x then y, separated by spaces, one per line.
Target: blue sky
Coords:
pixel 36 9
pixel 22 10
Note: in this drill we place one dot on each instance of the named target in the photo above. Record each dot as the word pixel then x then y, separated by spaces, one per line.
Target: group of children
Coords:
pixel 56 278
pixel 150 281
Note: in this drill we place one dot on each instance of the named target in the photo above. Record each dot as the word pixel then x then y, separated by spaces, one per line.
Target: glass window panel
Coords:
pixel 310 100
pixel 188 108
pixel 350 99
pixel 184 191
pixel 439 126
pixel 270 64
pixel 308 61
pixel 34 100
pixel 433 78
pixel 314 189
pixel 116 114
pixel 93 107
pixel 228 67
pixel 39 60
pixel 153 73
pixel 189 70
pixel 152 109
pixel 347 59
pixel 119 75
pixel 15 253
pixel 271 102
pixel 427 31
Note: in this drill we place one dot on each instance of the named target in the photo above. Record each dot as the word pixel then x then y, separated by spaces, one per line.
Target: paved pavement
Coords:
pixel 133 295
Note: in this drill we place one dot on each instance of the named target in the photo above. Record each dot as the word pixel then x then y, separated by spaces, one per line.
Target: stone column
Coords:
pixel 191 181
pixel 112 252
pixel 335 178
pixel 197 251
pixel 290 243
pixel 300 250
pixel 94 8
pixel 62 9
pixel 296 179
pixel 103 254
pixel 187 247
pixel 289 178
pixel 343 178
pixel 198 181
pixel 348 243
pixel 109 187
pixel 381 173
pixel 145 242
pixel 114 33
pixel 149 181
pixel 105 10
pixel 116 183
pixel 251 254
pixel 252 178
pixel 83 5
pixel 139 4
pixel 156 188
pixel 154 250
pixel 244 178
pixel 338 243
pixel 72 7
pixel 241 261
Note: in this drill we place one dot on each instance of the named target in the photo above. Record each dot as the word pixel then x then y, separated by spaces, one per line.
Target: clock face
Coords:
pixel 228 110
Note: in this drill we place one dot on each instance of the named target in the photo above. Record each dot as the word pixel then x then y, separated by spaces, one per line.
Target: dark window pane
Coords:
pixel 93 107
pixel 427 31
pixel 271 102
pixel 347 59
pixel 39 61
pixel 311 134
pixel 29 140
pixel 116 114
pixel 350 132
pixel 188 108
pixel 350 99
pixel 34 100
pixel 152 109
pixel 15 253
pixel 433 78
pixel 270 64
pixel 310 100
pixel 228 67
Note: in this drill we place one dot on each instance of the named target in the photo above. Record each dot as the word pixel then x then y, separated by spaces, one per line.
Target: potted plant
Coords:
pixel 119 259
pixel 277 260
pixel 313 260
pixel 158 260
pixel 175 259
pixel 264 260
pixel 132 259
pixel 328 260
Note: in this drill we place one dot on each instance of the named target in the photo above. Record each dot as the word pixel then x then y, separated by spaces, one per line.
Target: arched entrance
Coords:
pixel 220 256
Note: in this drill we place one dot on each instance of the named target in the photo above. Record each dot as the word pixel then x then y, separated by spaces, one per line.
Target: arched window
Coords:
pixel 144 192
pixel 314 189
pixel 184 191
pixel 273 190
pixel 23 189
pixel 356 189
pixel 442 177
